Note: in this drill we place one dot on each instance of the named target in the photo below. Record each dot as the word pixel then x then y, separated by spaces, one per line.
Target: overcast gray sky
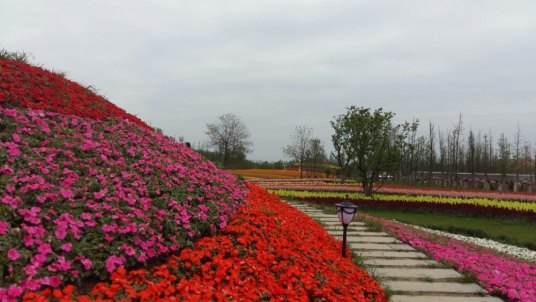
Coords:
pixel 277 64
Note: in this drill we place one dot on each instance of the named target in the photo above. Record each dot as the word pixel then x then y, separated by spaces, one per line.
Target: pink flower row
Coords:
pixel 497 273
pixel 402 190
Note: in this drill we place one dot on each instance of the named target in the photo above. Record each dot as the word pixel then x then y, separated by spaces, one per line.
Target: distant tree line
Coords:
pixel 369 147
pixel 456 157
pixel 239 162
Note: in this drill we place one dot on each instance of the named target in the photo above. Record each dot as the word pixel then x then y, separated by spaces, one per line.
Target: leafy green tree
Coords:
pixel 372 142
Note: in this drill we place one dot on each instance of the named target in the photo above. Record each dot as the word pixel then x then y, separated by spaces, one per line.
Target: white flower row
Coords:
pixel 516 251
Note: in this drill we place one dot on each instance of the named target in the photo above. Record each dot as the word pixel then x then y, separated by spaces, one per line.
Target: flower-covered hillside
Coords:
pixel 80 197
pixel 270 251
pixel 26 86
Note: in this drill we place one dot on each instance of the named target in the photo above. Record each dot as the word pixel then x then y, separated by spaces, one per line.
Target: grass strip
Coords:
pixel 509 231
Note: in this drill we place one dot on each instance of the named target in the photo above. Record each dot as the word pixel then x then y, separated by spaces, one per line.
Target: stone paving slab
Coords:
pixel 338 232
pixel 371 239
pixel 401 247
pixel 339 236
pixel 411 273
pixel 329 221
pixel 326 219
pixel 380 247
pixel 364 233
pixel 403 298
pixel 333 222
pixel 340 228
pixel 324 216
pixel 390 254
pixel 400 262
pixel 434 287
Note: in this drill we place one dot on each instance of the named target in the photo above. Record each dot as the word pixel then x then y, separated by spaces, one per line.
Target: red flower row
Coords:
pixel 26 86
pixel 320 185
pixel 433 207
pixel 269 251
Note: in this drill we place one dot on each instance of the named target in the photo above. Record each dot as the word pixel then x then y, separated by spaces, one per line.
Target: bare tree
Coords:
pixel 431 149
pixel 316 155
pixel 527 160
pixel 410 151
pixel 455 146
pixel 230 136
pixel 517 144
pixel 443 156
pixel 471 156
pixel 478 152
pixel 421 156
pixel 534 184
pixel 490 153
pixel 301 142
pixel 486 153
pixel 504 154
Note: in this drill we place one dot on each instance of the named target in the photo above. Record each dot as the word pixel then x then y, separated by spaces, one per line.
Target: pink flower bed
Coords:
pixel 498 274
pixel 82 197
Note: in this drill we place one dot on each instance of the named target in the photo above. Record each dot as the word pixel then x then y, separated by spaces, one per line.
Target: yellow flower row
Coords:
pixel 505 204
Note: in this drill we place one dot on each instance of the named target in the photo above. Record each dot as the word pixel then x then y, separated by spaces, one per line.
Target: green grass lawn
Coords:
pixel 516 232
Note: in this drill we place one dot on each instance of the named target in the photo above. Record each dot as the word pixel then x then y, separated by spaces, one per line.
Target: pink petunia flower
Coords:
pixel 66 193
pixel 45 249
pixel 86 263
pixel 66 247
pixel 3 227
pixel 13 254
pixel 54 281
pixel 15 291
pixel 113 261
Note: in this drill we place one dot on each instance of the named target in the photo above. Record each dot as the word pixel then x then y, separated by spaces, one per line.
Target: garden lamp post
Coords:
pixel 346 212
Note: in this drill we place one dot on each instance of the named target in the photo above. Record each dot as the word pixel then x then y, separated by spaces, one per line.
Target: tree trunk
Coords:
pixel 225 156
pixel 367 187
pixel 301 168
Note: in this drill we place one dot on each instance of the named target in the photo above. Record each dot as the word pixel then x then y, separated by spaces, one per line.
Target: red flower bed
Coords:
pixel 26 86
pixel 269 251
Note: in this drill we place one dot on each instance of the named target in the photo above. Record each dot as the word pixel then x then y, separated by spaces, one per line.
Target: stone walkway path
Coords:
pixel 409 274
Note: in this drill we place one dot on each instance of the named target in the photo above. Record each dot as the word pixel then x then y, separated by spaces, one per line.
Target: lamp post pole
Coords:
pixel 344 228
pixel 346 212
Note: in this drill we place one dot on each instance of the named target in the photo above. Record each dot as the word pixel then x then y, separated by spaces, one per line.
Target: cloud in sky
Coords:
pixel 279 64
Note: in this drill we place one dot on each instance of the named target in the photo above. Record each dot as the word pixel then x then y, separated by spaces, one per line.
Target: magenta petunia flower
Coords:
pixel 51 281
pixel 3 227
pixel 86 263
pixel 15 291
pixel 66 247
pixel 13 254
pixel 113 262
pixel 66 193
